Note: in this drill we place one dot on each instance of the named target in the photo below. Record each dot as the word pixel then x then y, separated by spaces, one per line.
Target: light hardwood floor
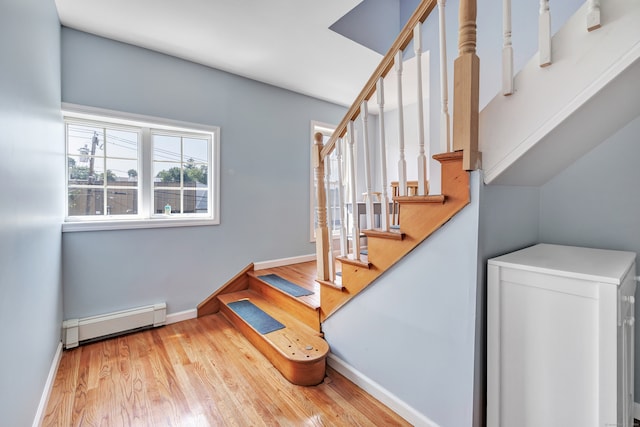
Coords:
pixel 200 372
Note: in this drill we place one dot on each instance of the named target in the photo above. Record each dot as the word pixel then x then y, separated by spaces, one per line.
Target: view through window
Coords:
pixel 131 170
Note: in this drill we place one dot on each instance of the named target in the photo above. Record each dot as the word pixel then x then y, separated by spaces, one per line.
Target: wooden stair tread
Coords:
pixel 437 199
pixel 270 308
pixel 394 235
pixel 297 351
pixel 304 308
pixel 449 156
pixel 336 284
pixel 352 261
pixel 302 300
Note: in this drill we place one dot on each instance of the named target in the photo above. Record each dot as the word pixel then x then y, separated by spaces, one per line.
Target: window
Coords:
pixel 126 171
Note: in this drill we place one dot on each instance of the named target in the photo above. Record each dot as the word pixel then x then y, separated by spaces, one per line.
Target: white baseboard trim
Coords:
pixel 181 315
pixel 262 265
pixel 379 392
pixel 48 386
pixel 636 410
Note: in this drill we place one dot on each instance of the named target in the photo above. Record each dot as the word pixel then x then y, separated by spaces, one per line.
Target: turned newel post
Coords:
pixel 322 233
pixel 466 88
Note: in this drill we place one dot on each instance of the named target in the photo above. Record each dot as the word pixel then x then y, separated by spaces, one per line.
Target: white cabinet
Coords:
pixel 560 338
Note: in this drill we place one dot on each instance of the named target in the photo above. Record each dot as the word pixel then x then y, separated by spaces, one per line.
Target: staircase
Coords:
pixel 298 350
pixel 287 328
pixel 420 216
pixel 296 346
pixel 558 113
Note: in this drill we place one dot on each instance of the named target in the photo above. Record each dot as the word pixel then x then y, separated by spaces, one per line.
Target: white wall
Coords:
pixel 265 151
pixel 32 165
pixel 413 330
pixel 596 203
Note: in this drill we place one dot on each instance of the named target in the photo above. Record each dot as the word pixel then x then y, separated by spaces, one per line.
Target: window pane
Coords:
pixel 122 201
pixel 122 144
pixel 86 201
pixel 195 150
pixel 78 172
pixel 163 198
pixel 121 171
pixel 166 148
pixel 166 174
pixel 196 201
pixel 195 175
pixel 96 172
pixel 84 140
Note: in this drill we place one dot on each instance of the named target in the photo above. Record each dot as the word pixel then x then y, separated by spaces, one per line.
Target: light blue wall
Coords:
pixel 596 202
pixel 265 164
pixel 31 167
pixel 382 15
pixel 413 331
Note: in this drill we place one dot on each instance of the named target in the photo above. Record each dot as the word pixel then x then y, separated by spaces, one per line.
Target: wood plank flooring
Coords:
pixel 200 372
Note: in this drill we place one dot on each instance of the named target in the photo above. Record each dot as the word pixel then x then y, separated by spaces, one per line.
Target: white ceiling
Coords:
pixel 286 43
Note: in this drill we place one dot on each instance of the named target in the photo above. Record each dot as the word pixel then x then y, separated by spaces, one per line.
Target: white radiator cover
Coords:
pixel 74 331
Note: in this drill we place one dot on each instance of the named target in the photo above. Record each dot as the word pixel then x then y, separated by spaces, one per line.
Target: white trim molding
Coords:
pixel 376 390
pixel 262 265
pixel 48 386
pixel 636 410
pixel 181 316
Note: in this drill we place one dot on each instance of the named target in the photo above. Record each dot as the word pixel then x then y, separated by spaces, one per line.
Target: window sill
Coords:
pixel 136 224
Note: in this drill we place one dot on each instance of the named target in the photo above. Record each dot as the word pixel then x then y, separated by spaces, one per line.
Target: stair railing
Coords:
pixel 544 37
pixel 465 124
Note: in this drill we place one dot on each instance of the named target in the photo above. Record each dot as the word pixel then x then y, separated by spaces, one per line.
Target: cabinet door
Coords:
pixel 543 355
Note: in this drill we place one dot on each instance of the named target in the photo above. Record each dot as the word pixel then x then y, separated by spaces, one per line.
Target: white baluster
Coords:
pixel 593 15
pixel 507 49
pixel 445 127
pixel 402 163
pixel 343 227
pixel 544 34
pixel 384 200
pixel 422 158
pixel 327 178
pixel 364 112
pixel 355 230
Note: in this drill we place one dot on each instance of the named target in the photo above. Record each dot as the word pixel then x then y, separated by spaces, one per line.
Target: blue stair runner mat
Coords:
pixel 285 285
pixel 258 319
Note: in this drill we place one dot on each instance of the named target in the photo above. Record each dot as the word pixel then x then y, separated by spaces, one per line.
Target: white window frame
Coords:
pixel 146 218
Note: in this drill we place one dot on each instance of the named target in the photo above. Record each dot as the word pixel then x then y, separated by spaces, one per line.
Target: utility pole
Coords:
pixel 90 177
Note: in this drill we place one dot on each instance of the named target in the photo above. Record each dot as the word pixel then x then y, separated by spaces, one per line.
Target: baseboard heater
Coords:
pixel 80 331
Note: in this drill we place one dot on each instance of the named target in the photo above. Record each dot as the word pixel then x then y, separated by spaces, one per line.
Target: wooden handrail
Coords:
pixel 404 38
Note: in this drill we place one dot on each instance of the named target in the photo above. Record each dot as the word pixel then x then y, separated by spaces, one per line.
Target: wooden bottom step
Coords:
pixel 297 351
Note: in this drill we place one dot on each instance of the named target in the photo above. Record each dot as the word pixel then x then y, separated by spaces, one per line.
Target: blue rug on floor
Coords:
pixel 285 285
pixel 258 319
